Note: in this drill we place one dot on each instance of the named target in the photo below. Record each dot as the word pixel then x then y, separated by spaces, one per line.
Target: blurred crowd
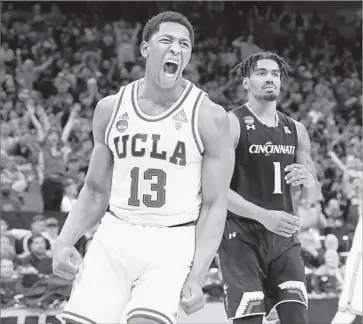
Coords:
pixel 58 60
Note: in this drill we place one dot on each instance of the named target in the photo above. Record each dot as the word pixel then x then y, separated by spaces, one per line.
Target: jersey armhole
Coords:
pixel 295 123
pixel 115 110
pixel 195 122
pixel 239 129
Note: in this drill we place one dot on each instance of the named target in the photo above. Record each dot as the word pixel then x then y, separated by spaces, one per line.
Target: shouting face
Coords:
pixel 167 53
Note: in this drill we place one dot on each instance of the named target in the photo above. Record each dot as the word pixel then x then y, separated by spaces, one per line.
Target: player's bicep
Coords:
pixel 99 174
pixel 218 157
pixel 303 152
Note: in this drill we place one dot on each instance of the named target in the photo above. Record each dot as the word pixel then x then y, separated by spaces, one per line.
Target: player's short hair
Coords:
pixel 245 68
pixel 153 24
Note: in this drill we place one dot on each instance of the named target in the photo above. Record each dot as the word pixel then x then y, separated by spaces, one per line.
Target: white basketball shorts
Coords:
pixel 131 270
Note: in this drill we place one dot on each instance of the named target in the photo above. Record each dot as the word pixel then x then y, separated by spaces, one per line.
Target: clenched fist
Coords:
pixel 66 261
pixel 192 297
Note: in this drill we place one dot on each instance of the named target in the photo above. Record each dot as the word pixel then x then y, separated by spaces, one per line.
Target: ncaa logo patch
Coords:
pixel 122 125
pixel 249 120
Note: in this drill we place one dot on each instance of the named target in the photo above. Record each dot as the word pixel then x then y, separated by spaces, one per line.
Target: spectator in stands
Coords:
pixel 334 214
pixel 53 157
pixel 7 248
pixel 38 256
pixel 311 216
pixel 126 45
pixel 13 183
pixel 22 236
pixel 27 71
pixel 3 227
pixel 52 230
pixel 311 251
pixel 329 277
pixel 70 195
pixel 331 242
pixel 10 284
pixel 7 267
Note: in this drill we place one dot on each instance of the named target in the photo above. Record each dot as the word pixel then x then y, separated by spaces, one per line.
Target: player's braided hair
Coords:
pixel 245 68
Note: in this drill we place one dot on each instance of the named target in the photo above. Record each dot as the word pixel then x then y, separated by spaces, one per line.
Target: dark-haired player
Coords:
pixel 158 144
pixel 260 253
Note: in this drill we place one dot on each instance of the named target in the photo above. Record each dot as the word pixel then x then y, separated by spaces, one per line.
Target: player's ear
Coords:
pixel 246 83
pixel 144 49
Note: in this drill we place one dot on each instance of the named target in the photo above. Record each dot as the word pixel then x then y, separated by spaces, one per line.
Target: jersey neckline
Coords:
pixel 277 119
pixel 175 106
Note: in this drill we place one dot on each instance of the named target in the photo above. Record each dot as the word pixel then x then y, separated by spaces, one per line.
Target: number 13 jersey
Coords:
pixel 262 153
pixel 157 159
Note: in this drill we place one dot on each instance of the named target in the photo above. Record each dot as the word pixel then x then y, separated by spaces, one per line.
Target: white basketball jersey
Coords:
pixel 157 159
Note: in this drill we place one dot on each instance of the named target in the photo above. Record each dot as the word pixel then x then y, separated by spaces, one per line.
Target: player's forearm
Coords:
pixel 86 212
pixel 209 231
pixel 242 207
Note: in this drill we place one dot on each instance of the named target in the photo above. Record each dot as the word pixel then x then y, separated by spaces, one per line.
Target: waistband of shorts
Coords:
pixel 242 219
pixel 191 223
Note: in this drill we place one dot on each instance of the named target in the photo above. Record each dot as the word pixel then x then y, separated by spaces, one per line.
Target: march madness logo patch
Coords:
pixel 122 125
pixel 249 120
pixel 180 118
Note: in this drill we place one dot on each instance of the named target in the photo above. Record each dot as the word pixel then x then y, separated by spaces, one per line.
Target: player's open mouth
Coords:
pixel 170 68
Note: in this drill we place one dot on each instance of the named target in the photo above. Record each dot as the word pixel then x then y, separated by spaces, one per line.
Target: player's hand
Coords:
pixel 192 297
pixel 65 262
pixel 281 223
pixel 298 175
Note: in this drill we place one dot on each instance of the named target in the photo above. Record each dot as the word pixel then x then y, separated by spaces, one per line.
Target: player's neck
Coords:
pixel 265 110
pixel 149 89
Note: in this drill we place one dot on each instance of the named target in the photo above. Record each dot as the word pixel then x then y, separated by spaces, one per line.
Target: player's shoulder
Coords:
pixel 301 131
pixel 239 109
pixel 289 120
pixel 212 112
pixel 106 104
pixel 213 120
pixel 103 113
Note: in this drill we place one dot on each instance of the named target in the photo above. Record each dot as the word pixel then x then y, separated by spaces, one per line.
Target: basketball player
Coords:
pixel 160 146
pixel 260 253
pixel 350 302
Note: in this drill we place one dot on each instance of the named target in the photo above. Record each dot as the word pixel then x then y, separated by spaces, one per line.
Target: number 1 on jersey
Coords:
pixel 277 178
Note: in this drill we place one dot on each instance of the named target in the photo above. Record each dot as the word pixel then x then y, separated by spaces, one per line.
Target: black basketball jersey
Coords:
pixel 262 153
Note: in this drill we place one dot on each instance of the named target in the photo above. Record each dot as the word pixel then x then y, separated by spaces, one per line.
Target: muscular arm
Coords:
pixel 216 174
pixel 303 156
pixel 94 196
pixel 236 203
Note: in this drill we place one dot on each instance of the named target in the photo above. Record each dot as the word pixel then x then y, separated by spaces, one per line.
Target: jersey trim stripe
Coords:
pixel 113 117
pixel 170 111
pixel 149 313
pixel 195 117
pixel 239 128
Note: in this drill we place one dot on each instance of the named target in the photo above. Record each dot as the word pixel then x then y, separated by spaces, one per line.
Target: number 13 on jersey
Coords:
pixel 156 186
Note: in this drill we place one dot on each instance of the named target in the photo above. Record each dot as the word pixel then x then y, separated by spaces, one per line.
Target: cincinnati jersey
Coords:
pixel 262 153
pixel 157 159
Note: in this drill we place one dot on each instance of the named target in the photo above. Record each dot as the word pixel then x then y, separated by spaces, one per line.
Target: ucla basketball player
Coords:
pixel 158 178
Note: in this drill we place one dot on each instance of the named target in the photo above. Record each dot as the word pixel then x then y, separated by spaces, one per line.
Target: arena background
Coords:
pixel 58 59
